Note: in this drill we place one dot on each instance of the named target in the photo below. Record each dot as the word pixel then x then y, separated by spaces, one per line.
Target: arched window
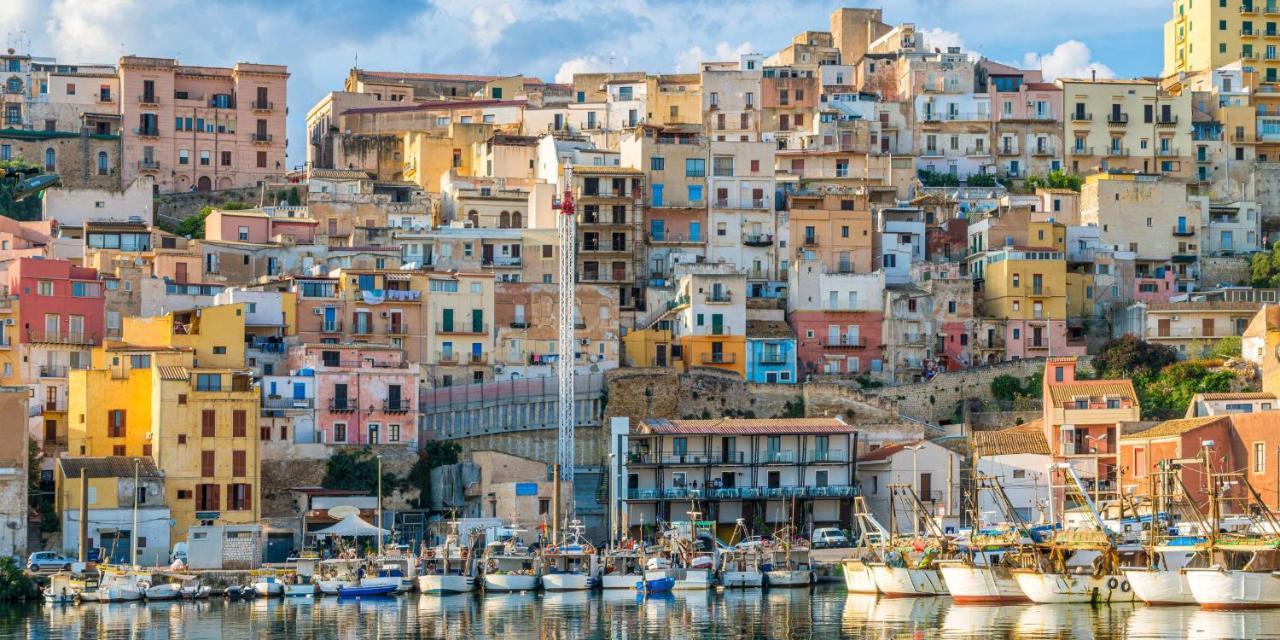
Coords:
pixel 13 85
pixel 103 165
pixel 504 220
pixel 516 221
pixel 49 157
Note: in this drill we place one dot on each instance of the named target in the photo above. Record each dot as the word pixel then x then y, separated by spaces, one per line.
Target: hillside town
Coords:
pixel 858 292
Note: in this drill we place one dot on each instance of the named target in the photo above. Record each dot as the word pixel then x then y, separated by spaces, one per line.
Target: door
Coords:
pixel 727 450
pixel 660 356
pixel 446 321
pixel 717 324
pixel 1206 328
pixel 657 195
pixel 330 319
pixel 374 433
pixel 52 326
pixel 115 546
pixel 1162 327
pixel 695 231
pixel 477 321
pixel 204 184
pixel 299 391
pixel 926 487
pixel 393 397
pixel 727 479
pixel 180 272
pixel 656 229
pixel 487 253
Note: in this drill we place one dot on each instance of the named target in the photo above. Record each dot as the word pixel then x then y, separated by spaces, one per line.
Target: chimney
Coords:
pixel 1093 73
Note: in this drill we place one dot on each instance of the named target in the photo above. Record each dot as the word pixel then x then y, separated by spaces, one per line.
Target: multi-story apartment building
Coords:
pixel 460 328
pixel 675 226
pixel 909 334
pixel 834 229
pixel 771 352
pixel 789 102
pixel 751 470
pixel 745 231
pixel 731 99
pixel 609 205
pixel 674 99
pixel 527 328
pixel 1026 133
pixel 1027 287
pixel 1148 216
pixel 202 128
pixel 838 319
pixel 953 133
pixel 1208 35
pixel 901 237
pixel 708 319
pixel 1081 422
pixel 1130 125
pixel 1194 327
pixel 364 393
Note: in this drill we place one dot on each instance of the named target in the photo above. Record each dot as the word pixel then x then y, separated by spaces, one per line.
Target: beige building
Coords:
pixel 1193 328
pixel 1128 125
pixel 1148 216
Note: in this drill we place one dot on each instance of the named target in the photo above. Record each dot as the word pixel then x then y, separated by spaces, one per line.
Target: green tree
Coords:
pixel 1132 357
pixel 14 584
pixel 356 469
pixel 1228 347
pixel 294 199
pixel 1057 179
pixel 26 210
pixel 38 499
pixel 1264 268
pixel 436 453
pixel 1167 395
pixel 1004 388
pixel 981 180
pixel 932 178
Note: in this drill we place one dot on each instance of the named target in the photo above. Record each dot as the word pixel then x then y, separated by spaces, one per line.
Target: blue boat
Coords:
pixel 657 585
pixel 371 591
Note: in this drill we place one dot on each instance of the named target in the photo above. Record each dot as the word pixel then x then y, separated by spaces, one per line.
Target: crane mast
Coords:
pixel 567 342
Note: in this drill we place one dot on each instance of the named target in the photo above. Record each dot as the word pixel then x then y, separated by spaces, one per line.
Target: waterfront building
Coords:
pixel 111 502
pixel 364 394
pixel 1082 423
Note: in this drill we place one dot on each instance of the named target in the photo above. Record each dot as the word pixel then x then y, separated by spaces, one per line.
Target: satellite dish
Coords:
pixel 343 510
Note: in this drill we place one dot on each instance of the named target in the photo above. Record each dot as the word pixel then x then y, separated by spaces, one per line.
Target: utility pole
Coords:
pixel 84 515
pixel 567 343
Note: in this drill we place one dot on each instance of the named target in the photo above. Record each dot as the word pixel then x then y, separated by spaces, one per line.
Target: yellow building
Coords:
pixel 674 99
pixel 174 389
pixel 1130 125
pixel 1208 34
pixel 430 155
pixel 10 360
pixel 648 348
pixel 1260 344
pixel 1025 284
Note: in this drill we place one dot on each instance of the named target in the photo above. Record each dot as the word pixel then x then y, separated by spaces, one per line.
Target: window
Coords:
pixel 1259 457
pixel 208 422
pixel 204 158
pixel 184 156
pixel 208 382
pixel 239 420
pixel 45 288
pixel 695 168
pixel 50 158
pixel 208 496
pixel 262 159
pixel 104 165
pixel 238 463
pixel 339 432
pixel 116 423
pixel 239 497
pixel 117 450
pixel 225 158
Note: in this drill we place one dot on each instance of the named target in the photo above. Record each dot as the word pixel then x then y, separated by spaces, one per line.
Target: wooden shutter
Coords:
pixel 207 419
pixel 238 421
pixel 206 464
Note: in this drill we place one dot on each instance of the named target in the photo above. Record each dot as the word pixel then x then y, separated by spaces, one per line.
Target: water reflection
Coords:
pixel 777 614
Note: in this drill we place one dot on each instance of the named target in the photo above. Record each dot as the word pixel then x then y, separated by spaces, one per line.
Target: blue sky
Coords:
pixel 320 40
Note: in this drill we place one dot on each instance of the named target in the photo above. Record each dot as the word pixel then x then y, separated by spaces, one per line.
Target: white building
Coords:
pixel 902 242
pixel 932 471
pixel 1018 459
pixel 74 207
pixel 111 508
pixel 811 288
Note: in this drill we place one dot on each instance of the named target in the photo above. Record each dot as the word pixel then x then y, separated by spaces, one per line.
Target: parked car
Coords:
pixel 754 542
pixel 830 538
pixel 48 561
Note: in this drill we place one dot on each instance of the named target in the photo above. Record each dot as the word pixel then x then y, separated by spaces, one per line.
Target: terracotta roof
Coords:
pixel 1062 394
pixel 109 467
pixel 746 426
pixel 1041 86
pixel 436 106
pixel 1203 305
pixel 173 373
pixel 1177 427
pixel 885 452
pixel 590 169
pixel 1023 438
pixel 1243 395
pixel 769 329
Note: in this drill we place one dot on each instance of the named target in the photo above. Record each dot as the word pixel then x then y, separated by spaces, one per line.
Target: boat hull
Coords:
pixel 270 589
pixel 300 591
pixel 905 582
pixel 742 579
pixel 694 580
pixel 567 582
pixel 974 584
pixel 163 592
pixel 1219 589
pixel 368 591
pixel 439 584
pixel 1058 588
pixel 1160 587
pixel 119 594
pixel 789 578
pixel 620 580
pixel 399 584
pixel 331 587
pixel 858 578
pixel 509 582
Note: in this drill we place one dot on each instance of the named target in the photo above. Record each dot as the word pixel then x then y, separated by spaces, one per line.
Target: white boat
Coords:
pixel 508 566
pixel 622 569
pixel 163 591
pixel 1073 588
pixel 193 590
pixel 63 588
pixel 1242 577
pixel 901 581
pixel 119 586
pixel 857 576
pixel 269 584
pixel 980 577
pixel 1165 583
pixel 334 574
pixel 790 567
pixel 572 565
pixel 397 570
pixel 300 590
pixel 740 569
pixel 447 568
pixel 698 576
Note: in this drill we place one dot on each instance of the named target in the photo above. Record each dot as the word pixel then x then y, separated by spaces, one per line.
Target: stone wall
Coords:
pixel 980 420
pixel 172 208
pixel 1216 270
pixel 280 475
pixel 939 398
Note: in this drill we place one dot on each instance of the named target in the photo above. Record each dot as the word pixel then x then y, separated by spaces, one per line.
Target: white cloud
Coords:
pixel 690 60
pixel 585 64
pixel 936 38
pixel 1071 59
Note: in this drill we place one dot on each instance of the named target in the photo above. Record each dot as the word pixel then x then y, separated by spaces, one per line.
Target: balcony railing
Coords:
pixel 778 457
pixel 288 403
pixel 150 132
pixel 809 241
pixel 826 457
pixel 723 297
pixel 1117 118
pixel 464 328
pixel 1171 152
pixel 1167 121
pixel 719 358
pixel 845 342
pixel 502 261
pixel 1008 150
pixel 148 98
pixel 1183 231
pixel 1082 151
pixel 396 329
pixel 341 405
pixel 1046 150
pixel 1081 116
pixel 260 138
pixel 331 327
pixel 913 339
pixel 1119 152
pixel 262 105
pixel 757 239
pixel 742 493
pixel 148 165
pixel 53 371
pixel 673 238
pixel 447 357
pixel 476 358
pixel 54 337
pixel 397 406
pixel 773 358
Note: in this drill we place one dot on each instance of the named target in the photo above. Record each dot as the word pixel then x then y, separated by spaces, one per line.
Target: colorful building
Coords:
pixel 1082 423
pixel 771 352
pixel 364 393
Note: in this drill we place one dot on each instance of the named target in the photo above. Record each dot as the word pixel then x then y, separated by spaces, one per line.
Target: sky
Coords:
pixel 320 40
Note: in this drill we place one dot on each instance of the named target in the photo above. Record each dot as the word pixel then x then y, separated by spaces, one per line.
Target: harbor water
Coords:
pixel 825 612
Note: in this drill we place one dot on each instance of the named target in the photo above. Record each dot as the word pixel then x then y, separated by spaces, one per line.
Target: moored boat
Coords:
pixel 508 566
pixel 857 576
pixel 368 591
pixel 572 565
pixel 740 564
pixel 447 568
pixel 623 567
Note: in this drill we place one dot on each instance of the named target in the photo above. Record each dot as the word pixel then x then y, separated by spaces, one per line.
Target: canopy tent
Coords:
pixel 351 526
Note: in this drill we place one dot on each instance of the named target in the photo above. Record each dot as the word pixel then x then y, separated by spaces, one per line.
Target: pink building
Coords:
pixel 955 345
pixel 837 342
pixel 1039 339
pixel 289 225
pixel 1155 289
pixel 202 127
pixel 59 303
pixel 364 393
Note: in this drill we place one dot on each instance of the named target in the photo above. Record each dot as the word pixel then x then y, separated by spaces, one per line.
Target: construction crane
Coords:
pixel 567 343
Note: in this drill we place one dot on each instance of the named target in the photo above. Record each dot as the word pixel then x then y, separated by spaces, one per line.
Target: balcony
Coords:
pixel 1008 150
pixel 280 404
pixel 502 261
pixel 262 105
pixel 53 371
pixel 722 297
pixel 1118 152
pixel 260 138
pixel 719 358
pixel 54 337
pixel 913 339
pixel 742 493
pixel 396 329
pixel 1249 33
pixel 148 132
pixel 465 329
pixel 331 327
pixel 757 239
pixel 266 346
pixel 1082 151
pixel 145 166
pixel 673 238
pixel 476 358
pixel 447 357
pixel 773 359
pixel 809 241
pixel 104 98
pixel 1081 116
pixel 362 329
pixel 397 406
pixel 1169 152
pixel 1183 231
pixel 759 203
pixel 845 342
pixel 342 405
pixel 148 100
pixel 826 457
pixel 1248 9
pixel 1046 150
pixel 1168 121
pixel 721 203
pixel 976 152
pixel 1118 119
pixel 778 457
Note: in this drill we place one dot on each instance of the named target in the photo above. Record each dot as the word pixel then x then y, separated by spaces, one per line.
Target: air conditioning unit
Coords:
pixel 497 369
pixel 317 311
pixel 586 341
pixel 384 314
pixel 8 322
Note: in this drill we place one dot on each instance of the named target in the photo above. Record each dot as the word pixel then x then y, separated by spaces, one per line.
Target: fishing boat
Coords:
pixel 337 573
pixel 571 565
pixel 509 566
pixel 368 591
pixel 1080 564
pixel 447 568
pixel 741 564
pixel 694 553
pixel 857 575
pixel 164 586
pixel 193 590
pixel 1242 567
pixel 271 583
pixel 65 587
pixel 399 571
pixel 118 585
pixel 623 567
pixel 657 577
pixel 905 564
pixel 982 567
pixel 789 564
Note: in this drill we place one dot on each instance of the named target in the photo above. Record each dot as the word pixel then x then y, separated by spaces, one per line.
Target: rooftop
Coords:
pixel 778 426
pixel 1023 438
pixel 887 451
pixel 1062 394
pixel 109 467
pixel 1170 428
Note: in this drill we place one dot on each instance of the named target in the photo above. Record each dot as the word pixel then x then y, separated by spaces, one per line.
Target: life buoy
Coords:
pixel 431 553
pixel 466 553
pixel 1112 583
pixel 553 549
pixel 590 550
pixel 1124 586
